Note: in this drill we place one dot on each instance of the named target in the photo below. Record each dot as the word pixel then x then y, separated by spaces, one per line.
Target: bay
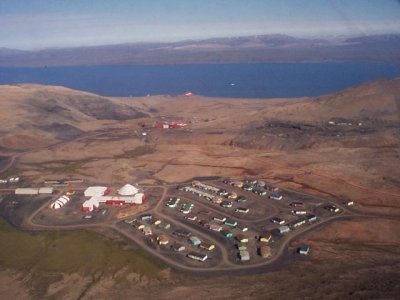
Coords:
pixel 216 80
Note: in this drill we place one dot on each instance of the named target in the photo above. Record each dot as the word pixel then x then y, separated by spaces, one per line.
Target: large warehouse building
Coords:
pixel 128 194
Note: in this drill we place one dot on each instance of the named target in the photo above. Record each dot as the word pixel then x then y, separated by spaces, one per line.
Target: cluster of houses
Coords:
pixel 258 187
pixel 145 222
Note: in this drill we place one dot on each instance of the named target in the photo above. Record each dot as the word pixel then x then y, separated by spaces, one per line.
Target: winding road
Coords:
pixel 225 265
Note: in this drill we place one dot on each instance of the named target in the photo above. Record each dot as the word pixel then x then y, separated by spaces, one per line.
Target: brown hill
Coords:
pixel 376 100
pixel 38 115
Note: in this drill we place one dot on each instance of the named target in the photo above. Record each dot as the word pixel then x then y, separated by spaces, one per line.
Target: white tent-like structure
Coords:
pixel 128 190
pixel 60 202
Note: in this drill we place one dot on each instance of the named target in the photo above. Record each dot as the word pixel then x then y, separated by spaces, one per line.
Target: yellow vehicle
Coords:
pixel 70 193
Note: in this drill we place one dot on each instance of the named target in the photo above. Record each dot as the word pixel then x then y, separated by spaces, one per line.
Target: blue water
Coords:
pixel 230 80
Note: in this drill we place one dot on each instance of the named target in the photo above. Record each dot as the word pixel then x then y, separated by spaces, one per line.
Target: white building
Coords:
pixel 92 191
pixel 94 202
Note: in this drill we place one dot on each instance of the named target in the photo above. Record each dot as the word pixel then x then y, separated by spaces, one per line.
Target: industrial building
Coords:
pixel 96 191
pixel 99 194
pixel 33 191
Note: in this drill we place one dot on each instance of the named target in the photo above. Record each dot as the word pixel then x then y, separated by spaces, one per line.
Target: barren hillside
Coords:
pixel 34 115
pixel 343 146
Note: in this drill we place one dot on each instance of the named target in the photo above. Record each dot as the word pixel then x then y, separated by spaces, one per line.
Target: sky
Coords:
pixel 36 24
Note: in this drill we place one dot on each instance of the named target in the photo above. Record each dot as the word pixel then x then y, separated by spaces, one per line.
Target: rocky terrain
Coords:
pixel 344 145
pixel 243 49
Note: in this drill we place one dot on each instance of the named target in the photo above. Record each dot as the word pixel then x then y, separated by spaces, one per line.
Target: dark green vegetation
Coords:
pixel 77 251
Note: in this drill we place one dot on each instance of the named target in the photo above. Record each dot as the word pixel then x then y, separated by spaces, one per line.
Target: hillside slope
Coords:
pixel 376 100
pixel 35 115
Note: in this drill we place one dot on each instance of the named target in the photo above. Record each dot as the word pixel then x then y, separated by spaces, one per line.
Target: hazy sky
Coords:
pixel 27 24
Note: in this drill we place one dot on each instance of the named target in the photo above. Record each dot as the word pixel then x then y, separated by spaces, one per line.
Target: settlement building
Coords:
pixel 304 250
pixel 265 237
pixel 195 241
pixel 283 229
pixel 276 197
pixel 197 256
pixel 207 246
pixel 162 239
pixel 244 255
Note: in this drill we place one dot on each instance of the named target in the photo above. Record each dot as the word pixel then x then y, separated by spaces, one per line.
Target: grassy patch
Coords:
pixel 138 151
pixel 77 251
pixel 62 166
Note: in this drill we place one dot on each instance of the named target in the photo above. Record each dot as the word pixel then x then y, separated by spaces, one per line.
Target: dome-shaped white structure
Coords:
pixel 128 190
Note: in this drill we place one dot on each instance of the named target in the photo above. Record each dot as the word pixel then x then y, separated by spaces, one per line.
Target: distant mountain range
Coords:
pixel 249 49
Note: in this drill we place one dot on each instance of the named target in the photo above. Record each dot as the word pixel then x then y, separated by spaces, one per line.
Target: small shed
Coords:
pixel 178 247
pixel 265 237
pixel 244 255
pixel 304 250
pixel 241 238
pixel 195 241
pixel 227 233
pixel 231 223
pixel 283 229
pixel 242 246
pixel 207 246
pixel 162 239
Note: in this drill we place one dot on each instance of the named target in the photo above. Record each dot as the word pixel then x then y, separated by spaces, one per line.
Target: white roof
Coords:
pixel 60 202
pixel 95 191
pixel 46 190
pixel 128 189
pixel 56 205
pixel 96 200
pixel 90 203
